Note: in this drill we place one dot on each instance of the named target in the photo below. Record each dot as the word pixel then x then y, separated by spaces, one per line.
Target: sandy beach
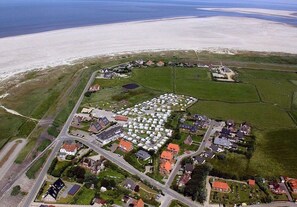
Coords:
pixel 270 12
pixel 21 53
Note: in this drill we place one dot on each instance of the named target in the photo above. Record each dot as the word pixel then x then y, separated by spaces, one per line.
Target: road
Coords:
pixel 177 165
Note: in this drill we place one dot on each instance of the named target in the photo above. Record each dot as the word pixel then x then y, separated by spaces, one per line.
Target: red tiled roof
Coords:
pixel 293 184
pixel 166 166
pixel 139 203
pixel 251 182
pixel 121 118
pixel 126 145
pixel 69 147
pixel 166 155
pixel 173 147
pixel 220 185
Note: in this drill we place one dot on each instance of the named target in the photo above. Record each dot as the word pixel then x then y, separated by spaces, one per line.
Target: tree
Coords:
pixel 76 172
pixel 90 179
pixel 16 190
pixel 136 189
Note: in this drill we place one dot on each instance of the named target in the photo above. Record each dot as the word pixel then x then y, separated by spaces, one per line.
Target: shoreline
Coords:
pixel 59 47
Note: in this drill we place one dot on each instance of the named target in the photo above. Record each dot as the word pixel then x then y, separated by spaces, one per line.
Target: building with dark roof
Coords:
pixel 53 191
pixel 199 160
pixel 189 168
pixel 223 142
pixel 141 154
pixel 109 135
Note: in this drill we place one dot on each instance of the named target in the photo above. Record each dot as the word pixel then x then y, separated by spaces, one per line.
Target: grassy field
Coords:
pixel 31 173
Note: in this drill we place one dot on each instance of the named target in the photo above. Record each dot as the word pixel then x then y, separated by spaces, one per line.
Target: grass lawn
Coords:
pixel 31 173
pixel 176 203
pixel 259 115
pixel 84 196
pixel 109 173
pixel 60 167
pixel 184 147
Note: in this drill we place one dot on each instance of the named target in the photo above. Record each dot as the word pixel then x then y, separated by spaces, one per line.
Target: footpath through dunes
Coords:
pixel 57 47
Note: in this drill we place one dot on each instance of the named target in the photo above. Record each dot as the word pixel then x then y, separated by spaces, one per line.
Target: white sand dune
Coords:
pixel 52 48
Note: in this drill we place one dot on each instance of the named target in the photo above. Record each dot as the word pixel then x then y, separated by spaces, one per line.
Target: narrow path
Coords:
pixel 17 113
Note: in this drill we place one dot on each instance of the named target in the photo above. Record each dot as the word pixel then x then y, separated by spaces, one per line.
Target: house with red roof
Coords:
pixel 126 146
pixel 138 203
pixel 293 185
pixel 69 149
pixel 166 155
pixel 220 186
pixel 165 167
pixel 174 148
pixel 251 182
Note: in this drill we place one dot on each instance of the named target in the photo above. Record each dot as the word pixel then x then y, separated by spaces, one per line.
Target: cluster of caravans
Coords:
pixel 146 128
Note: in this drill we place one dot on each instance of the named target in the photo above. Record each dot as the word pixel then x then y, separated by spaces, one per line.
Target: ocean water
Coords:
pixel 19 17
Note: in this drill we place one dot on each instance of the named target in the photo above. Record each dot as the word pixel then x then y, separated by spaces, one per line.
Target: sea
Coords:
pixel 18 17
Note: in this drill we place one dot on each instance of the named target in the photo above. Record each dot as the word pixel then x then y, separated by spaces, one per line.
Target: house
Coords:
pixel 130 184
pixel 53 191
pixel 165 167
pixel 98 125
pixel 188 140
pixel 189 168
pixel 220 186
pixel 86 110
pixel 230 123
pixel 245 128
pixel 69 149
pixel 251 182
pixel 109 135
pixel 149 63
pixel 293 185
pixel 224 142
pixel 94 88
pixel 199 160
pixel 95 166
pixel 209 154
pixel 95 127
pixel 138 203
pixel 185 178
pixel 215 148
pixel 99 201
pixel 174 148
pixel 121 118
pixel 276 188
pixel 141 154
pixel 166 155
pixel 126 146
pixel 160 64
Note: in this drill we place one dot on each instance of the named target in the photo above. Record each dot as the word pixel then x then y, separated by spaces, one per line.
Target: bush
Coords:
pixel 52 167
pixel 16 190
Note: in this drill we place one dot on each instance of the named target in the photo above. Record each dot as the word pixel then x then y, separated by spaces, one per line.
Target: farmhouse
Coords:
pixel 126 146
pixel 220 186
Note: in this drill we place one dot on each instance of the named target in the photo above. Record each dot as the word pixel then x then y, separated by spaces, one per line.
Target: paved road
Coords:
pixel 177 165
pixel 166 201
